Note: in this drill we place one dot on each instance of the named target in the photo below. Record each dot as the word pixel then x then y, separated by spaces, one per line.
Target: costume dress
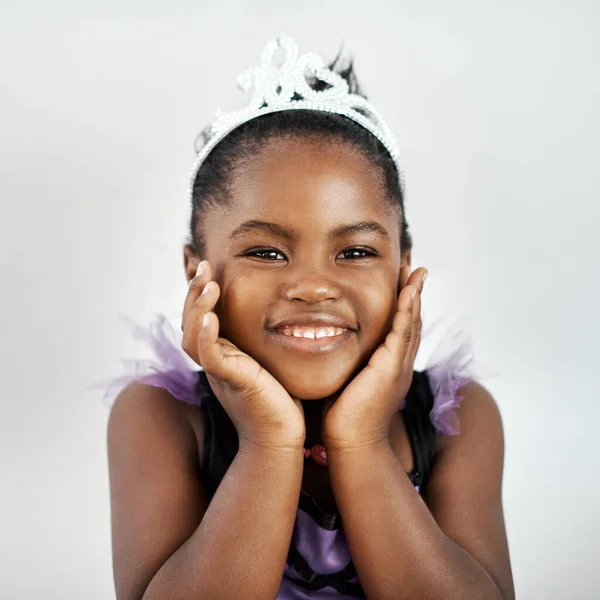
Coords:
pixel 319 565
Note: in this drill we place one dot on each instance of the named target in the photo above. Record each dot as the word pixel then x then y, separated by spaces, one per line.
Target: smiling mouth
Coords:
pixel 312 333
pixel 310 339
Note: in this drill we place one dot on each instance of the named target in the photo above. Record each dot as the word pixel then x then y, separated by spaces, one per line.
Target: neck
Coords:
pixel 313 418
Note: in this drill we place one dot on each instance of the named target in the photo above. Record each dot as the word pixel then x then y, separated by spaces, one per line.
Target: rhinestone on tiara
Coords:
pixel 276 89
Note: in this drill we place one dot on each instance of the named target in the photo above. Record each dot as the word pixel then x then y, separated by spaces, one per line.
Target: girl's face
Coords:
pixel 308 246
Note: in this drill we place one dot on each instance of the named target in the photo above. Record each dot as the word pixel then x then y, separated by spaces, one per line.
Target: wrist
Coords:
pixel 357 446
pixel 349 459
pixel 273 437
pixel 352 440
pixel 271 445
pixel 277 461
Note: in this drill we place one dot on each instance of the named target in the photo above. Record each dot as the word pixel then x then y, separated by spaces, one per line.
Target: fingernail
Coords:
pixel 425 276
pixel 200 268
pixel 205 289
pixel 205 321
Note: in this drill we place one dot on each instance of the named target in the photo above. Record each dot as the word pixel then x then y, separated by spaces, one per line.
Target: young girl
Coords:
pixel 305 458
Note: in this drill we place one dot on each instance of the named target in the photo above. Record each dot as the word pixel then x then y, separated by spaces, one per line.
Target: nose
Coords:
pixel 312 286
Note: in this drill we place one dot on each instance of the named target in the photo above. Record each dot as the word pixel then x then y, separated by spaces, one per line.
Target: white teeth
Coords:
pixel 312 333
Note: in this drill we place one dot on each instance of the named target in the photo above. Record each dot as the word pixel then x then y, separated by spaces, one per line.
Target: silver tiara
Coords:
pixel 287 88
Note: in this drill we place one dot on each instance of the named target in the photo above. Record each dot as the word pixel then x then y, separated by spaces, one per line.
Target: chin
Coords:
pixel 301 393
pixel 313 386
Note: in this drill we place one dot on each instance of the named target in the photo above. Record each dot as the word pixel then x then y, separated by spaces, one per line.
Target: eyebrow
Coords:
pixel 361 227
pixel 290 235
pixel 256 225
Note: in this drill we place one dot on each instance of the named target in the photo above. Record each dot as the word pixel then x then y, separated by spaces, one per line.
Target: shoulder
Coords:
pixel 147 414
pixel 474 456
pixel 479 420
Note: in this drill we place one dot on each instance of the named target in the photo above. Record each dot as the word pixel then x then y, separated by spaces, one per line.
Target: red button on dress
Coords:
pixel 319 453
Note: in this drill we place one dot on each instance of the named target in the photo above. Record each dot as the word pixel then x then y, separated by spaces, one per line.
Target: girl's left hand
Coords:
pixel 362 414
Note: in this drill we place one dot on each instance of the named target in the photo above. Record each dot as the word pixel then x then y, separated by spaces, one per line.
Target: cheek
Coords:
pixel 378 306
pixel 377 309
pixel 242 306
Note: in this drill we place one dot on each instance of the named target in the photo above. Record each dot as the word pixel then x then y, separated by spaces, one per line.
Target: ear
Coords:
pixel 190 262
pixel 404 262
pixel 405 259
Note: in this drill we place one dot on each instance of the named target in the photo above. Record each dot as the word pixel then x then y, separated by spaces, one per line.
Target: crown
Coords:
pixel 287 87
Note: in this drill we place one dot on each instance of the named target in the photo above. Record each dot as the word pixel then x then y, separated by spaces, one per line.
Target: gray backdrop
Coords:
pixel 495 107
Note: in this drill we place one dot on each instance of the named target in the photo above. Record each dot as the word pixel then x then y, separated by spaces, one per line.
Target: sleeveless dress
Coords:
pixel 319 565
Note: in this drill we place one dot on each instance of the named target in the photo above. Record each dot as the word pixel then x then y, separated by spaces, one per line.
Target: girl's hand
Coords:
pixel 258 405
pixel 362 415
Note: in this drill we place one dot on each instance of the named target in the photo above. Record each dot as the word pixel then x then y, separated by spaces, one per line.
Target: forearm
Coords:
pixel 397 547
pixel 240 548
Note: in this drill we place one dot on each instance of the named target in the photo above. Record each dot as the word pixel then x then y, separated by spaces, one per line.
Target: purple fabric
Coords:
pixel 325 551
pixel 450 368
pixel 292 591
pixel 170 370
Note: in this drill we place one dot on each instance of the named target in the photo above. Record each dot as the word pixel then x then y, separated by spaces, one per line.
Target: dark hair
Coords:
pixel 213 180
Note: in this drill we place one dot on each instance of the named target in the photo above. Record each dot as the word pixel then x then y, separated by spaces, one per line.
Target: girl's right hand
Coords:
pixel 258 405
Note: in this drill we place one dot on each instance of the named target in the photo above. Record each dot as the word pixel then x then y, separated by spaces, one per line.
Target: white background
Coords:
pixel 495 107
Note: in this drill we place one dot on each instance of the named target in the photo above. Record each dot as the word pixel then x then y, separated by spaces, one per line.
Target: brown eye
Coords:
pixel 356 253
pixel 266 254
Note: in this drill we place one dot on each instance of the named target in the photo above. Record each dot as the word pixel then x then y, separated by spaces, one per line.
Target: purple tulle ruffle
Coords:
pixel 170 369
pixel 449 369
